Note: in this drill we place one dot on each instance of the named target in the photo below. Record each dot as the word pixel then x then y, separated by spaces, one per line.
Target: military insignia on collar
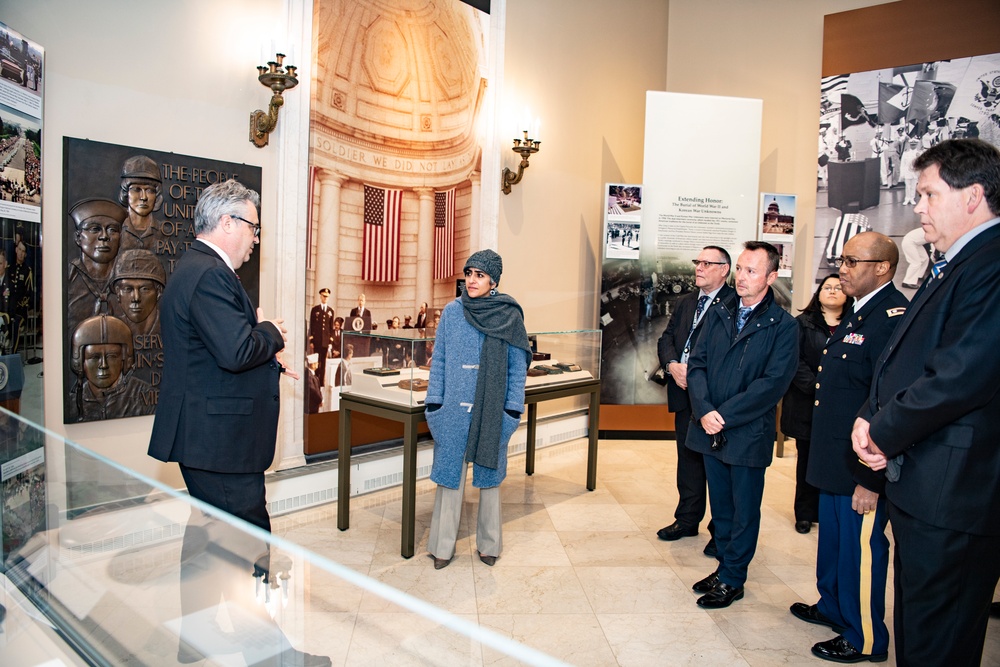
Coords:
pixel 893 312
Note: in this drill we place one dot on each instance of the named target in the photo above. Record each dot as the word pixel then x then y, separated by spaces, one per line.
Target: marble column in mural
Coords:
pixel 425 247
pixel 327 261
pixel 475 211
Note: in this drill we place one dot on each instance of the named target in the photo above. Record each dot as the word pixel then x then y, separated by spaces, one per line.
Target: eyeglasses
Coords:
pixel 851 262
pixel 256 226
pixel 832 288
pixel 701 262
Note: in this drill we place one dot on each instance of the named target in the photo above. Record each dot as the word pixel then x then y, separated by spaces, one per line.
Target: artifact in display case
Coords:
pixel 397 366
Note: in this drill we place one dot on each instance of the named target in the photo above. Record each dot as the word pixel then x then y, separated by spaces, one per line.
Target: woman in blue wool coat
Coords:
pixel 474 402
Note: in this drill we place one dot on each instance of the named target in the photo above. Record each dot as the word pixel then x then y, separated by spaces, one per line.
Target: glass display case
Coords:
pixel 102 566
pixel 395 366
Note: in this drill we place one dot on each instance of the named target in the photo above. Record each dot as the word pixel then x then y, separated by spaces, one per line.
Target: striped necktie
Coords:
pixel 938 268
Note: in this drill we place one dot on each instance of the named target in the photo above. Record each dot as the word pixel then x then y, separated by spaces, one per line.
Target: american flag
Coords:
pixel 381 248
pixel 444 234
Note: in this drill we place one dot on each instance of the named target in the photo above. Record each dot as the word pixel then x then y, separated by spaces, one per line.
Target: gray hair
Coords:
pixel 221 199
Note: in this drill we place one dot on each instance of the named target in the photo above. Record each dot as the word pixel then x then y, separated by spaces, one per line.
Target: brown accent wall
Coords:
pixel 637 417
pixel 909 32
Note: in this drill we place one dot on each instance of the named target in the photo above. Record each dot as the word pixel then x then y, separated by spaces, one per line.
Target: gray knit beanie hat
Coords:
pixel 488 262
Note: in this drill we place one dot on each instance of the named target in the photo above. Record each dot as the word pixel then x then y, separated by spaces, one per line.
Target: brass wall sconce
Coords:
pixel 278 79
pixel 524 148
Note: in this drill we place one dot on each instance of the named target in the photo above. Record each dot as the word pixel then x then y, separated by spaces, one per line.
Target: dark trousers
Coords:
pixel 240 494
pixel 852 562
pixel 690 476
pixel 735 493
pixel 944 581
pixel 806 502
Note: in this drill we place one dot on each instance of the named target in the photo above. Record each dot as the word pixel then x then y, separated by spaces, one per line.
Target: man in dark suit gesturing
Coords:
pixel 933 415
pixel 673 349
pixel 217 415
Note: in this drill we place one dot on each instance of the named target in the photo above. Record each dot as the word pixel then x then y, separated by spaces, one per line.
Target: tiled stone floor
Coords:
pixel 583 576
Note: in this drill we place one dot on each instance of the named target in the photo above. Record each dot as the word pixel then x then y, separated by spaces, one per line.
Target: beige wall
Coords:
pixel 178 76
pixel 583 67
pixel 586 66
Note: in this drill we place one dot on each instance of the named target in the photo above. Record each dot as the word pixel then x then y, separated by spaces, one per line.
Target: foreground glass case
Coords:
pixel 102 566
pixel 395 366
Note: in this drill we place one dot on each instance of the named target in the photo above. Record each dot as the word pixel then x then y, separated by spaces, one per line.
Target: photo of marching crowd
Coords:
pixel 20 163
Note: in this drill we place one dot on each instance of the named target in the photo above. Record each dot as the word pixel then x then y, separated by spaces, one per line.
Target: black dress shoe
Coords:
pixel 810 614
pixel 711 550
pixel 839 649
pixel 489 560
pixel 995 609
pixel 803 527
pixel 676 531
pixel 720 597
pixel 439 563
pixel 707 584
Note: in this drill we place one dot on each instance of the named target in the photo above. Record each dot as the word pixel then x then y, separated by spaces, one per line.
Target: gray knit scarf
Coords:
pixel 501 319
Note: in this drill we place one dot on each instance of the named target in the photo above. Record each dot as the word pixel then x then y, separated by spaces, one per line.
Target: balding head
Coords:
pixel 868 275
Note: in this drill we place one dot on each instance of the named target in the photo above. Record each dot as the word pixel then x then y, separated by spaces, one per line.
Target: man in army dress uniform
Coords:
pixel 853 553
pixel 321 331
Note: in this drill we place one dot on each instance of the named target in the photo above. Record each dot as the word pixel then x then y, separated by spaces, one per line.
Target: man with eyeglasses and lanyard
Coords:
pixel 674 348
pixel 852 558
pixel 933 414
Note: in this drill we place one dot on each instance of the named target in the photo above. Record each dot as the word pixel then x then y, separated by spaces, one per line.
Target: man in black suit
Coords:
pixel 933 415
pixel 852 559
pixel 361 345
pixel 673 349
pixel 321 331
pixel 421 317
pixel 217 415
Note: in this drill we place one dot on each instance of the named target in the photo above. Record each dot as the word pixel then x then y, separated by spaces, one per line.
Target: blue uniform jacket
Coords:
pixel 743 377
pixel 842 385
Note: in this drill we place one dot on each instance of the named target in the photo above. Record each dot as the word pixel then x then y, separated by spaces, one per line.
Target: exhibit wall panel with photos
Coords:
pixel 21 105
pixel 128 218
pixel 689 198
pixel 396 144
pixel 873 125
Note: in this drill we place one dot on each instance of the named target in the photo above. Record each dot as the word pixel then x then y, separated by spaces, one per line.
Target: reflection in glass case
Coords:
pixel 395 367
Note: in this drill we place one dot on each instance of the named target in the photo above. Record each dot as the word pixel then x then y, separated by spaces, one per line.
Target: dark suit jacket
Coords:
pixel 218 402
pixel 935 397
pixel 671 344
pixel 367 317
pixel 843 381
pixel 743 376
pixel 421 322
pixel 320 328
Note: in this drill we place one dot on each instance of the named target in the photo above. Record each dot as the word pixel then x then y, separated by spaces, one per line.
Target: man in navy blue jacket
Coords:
pixel 933 415
pixel 740 368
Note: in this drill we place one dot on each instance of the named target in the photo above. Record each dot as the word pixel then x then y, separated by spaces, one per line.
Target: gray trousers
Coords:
pixel 448 514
